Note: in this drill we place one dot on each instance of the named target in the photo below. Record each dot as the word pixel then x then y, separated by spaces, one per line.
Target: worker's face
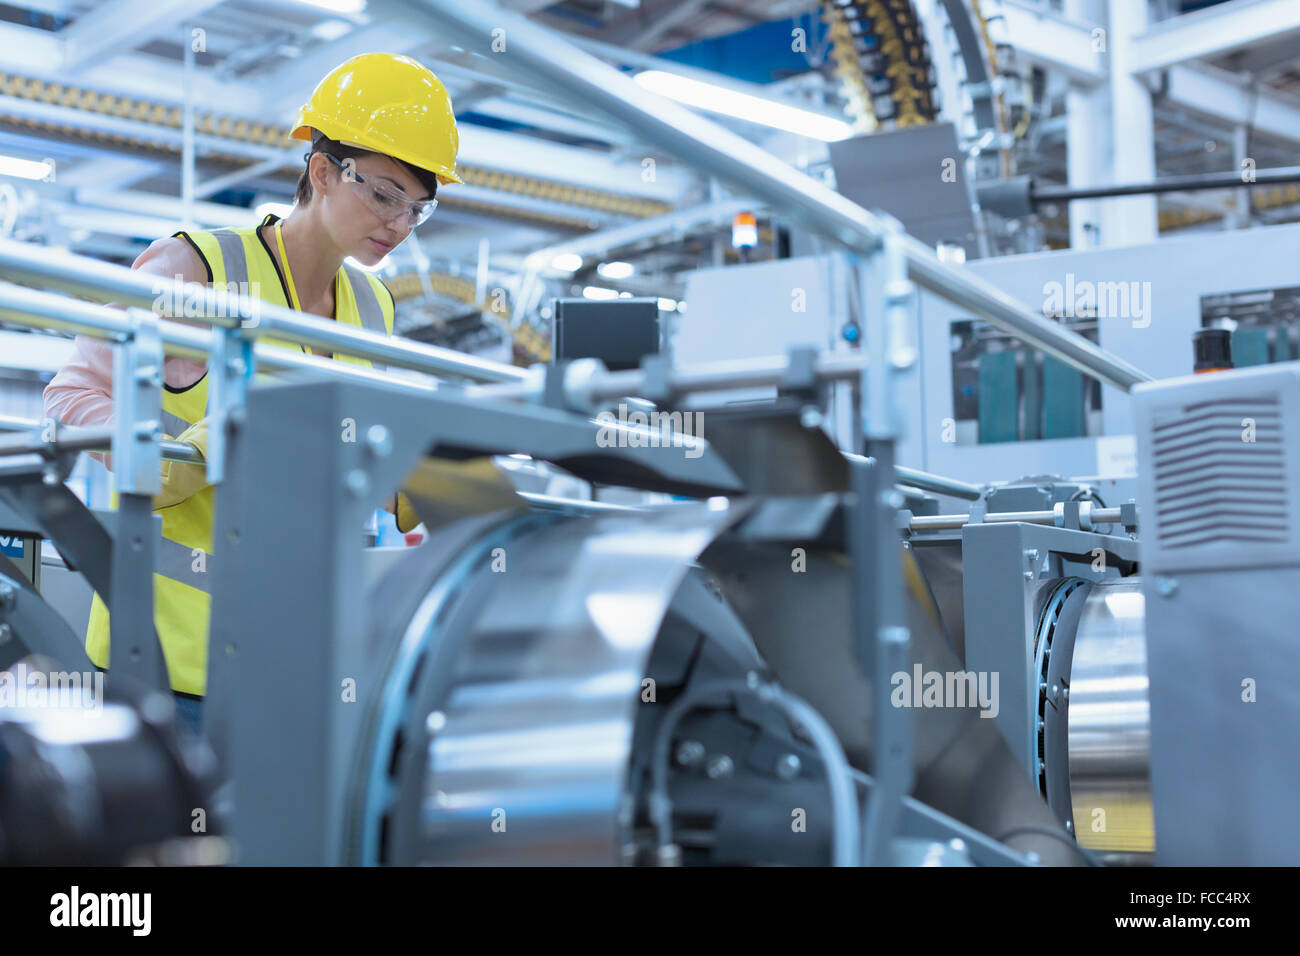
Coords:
pixel 355 219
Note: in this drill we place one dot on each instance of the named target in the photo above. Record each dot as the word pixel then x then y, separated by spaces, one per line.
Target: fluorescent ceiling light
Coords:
pixel 599 292
pixel 615 270
pixel 331 29
pixel 338 6
pixel 25 168
pixel 754 109
pixel 567 262
pixel 667 305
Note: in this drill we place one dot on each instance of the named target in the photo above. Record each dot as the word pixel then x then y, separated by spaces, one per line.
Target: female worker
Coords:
pixel 383 137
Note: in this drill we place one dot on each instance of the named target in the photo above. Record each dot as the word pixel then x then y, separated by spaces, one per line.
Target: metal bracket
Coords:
pixel 883 640
pixel 137 405
pixel 800 376
pixel 134 652
pixel 230 369
pixel 657 384
pixel 1128 516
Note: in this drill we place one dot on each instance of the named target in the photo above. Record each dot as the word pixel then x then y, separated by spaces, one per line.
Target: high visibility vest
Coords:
pixel 183 564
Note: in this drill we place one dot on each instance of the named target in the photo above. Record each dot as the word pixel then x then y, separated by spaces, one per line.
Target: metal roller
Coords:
pixel 505 734
pixel 534 660
pixel 103 778
pixel 1096 726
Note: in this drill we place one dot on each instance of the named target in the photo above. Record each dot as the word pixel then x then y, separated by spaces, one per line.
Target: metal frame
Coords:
pixel 283 657
pixel 1010 570
pixel 134 651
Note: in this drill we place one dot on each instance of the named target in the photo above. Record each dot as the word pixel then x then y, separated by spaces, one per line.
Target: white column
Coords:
pixel 1088 154
pixel 1129 221
pixel 1243 212
pixel 1087 139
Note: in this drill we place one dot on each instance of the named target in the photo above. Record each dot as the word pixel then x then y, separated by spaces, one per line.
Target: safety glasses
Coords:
pixel 384 200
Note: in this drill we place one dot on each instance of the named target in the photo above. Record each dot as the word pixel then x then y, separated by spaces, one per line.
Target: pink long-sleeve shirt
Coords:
pixel 82 391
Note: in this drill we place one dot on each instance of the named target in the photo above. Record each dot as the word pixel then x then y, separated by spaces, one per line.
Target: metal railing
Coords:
pixel 254 318
pixel 47 310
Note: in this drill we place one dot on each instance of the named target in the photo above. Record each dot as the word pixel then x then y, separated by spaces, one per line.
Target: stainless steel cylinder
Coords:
pixel 1100 686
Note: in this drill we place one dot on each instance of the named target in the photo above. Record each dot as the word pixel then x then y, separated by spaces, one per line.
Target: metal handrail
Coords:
pixel 47 310
pixel 560 65
pixel 255 318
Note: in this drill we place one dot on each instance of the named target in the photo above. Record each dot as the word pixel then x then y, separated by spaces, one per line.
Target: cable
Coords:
pixel 844 798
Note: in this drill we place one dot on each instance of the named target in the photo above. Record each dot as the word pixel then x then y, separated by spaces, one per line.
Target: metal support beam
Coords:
pixel 1214 31
pixel 1055 42
pixel 108 28
pixel 134 652
pixel 238 176
pixel 1222 96
pixel 1132 133
pixel 1087 135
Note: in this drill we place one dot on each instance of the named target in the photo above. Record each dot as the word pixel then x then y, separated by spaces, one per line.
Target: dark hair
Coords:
pixel 323 144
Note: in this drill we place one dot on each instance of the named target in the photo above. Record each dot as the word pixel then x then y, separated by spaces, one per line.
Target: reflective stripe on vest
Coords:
pixel 372 314
pixel 174 425
pixel 232 253
pixel 369 310
pixel 176 561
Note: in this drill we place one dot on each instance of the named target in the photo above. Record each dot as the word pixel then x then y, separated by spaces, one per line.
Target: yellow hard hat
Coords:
pixel 389 104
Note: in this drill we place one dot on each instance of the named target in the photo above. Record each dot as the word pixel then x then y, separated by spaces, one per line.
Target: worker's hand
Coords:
pixel 446 491
pixel 181 480
pixel 407 519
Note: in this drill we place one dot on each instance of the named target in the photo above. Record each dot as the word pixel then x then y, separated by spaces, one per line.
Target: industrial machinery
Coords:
pixel 806 656
pixel 981 403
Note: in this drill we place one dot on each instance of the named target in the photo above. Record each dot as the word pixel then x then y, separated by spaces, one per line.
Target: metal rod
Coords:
pixel 20 465
pixel 46 310
pixel 257 319
pixel 988 301
pixel 578 505
pixel 1168 184
pixel 560 65
pixel 938 483
pixel 955 522
pixel 731 373
pixel 71 438
pixel 723 375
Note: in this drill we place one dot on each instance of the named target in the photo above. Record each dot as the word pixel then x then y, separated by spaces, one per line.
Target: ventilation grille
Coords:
pixel 1220 473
